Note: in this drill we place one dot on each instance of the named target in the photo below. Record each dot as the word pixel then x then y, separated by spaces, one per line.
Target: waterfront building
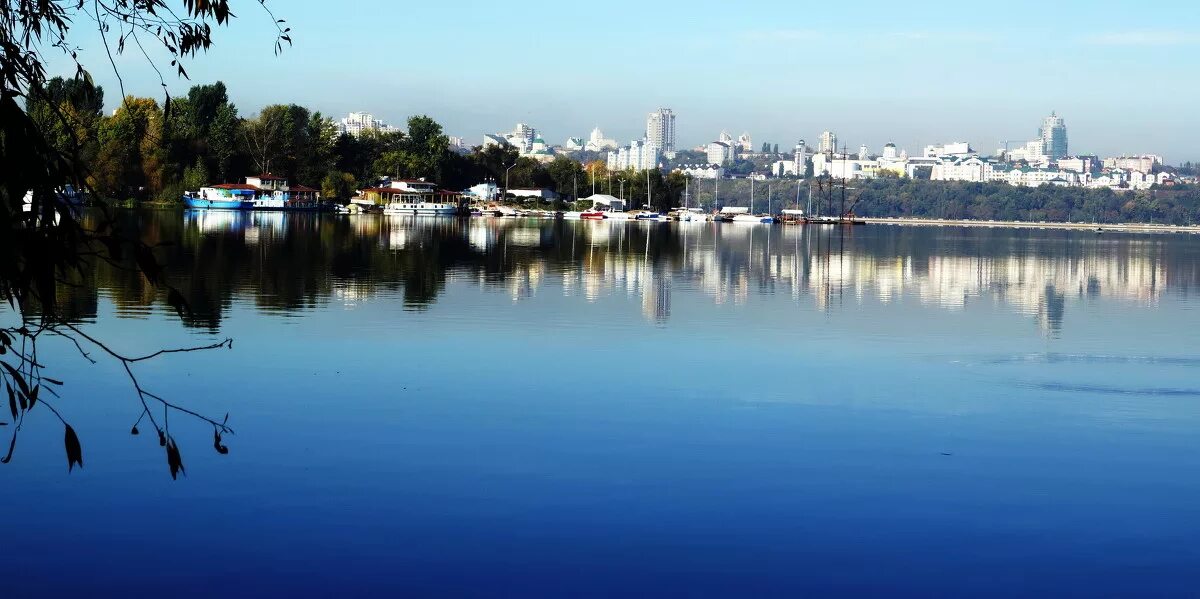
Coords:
pixel 660 130
pixel 1053 135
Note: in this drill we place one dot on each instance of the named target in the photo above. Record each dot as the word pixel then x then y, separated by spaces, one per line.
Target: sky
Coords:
pixel 1122 74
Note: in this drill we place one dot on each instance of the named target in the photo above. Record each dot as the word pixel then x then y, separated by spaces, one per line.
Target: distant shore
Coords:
pixel 1125 227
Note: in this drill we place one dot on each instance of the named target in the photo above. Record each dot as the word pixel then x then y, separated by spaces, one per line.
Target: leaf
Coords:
pixel 174 460
pixel 11 446
pixel 134 430
pixel 12 401
pixel 17 377
pixel 74 451
pixel 34 396
pixel 221 449
pixel 162 439
pixel 52 381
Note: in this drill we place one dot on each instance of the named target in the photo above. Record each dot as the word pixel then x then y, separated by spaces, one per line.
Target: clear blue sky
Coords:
pixel 1122 74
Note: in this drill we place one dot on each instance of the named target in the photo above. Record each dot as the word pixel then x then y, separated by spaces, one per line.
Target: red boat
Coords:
pixel 591 215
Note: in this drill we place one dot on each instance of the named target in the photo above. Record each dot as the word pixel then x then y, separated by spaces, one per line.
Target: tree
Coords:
pixel 338 186
pixel 567 175
pixel 41 239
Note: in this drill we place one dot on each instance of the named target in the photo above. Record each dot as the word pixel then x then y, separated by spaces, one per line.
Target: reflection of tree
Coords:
pixel 293 262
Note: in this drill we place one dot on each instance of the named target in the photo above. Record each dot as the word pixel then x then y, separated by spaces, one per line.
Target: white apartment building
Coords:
pixel 660 130
pixel 827 143
pixel 719 152
pixel 638 155
pixel 356 123
pixel 1141 164
pixel 972 169
pixel 840 167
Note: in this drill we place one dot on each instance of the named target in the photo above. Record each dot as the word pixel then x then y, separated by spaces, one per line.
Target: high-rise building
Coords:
pixel 1054 137
pixel 863 152
pixel 660 130
pixel 827 144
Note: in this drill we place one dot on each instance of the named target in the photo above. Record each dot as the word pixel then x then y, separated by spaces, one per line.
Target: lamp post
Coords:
pixel 505 196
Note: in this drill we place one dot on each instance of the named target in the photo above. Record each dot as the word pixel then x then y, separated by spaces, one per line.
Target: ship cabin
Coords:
pixel 275 192
pixel 228 191
pixel 408 193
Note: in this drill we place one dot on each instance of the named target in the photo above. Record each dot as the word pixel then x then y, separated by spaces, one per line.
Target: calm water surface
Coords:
pixel 488 407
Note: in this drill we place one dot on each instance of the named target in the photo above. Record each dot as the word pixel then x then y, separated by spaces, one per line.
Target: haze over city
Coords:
pixel 782 71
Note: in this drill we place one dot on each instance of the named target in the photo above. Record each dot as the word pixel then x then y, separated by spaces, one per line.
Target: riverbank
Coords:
pixel 1124 227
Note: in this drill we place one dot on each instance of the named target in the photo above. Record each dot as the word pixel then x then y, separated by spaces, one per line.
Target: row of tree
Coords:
pixel 151 152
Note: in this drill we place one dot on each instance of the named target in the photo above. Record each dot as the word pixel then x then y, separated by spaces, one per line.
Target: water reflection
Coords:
pixel 291 263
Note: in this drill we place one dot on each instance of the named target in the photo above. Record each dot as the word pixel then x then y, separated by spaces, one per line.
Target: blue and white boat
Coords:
pixel 224 196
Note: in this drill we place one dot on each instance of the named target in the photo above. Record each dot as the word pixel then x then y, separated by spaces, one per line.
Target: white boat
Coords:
pixel 753 218
pixel 421 208
pixel 413 197
pixel 572 215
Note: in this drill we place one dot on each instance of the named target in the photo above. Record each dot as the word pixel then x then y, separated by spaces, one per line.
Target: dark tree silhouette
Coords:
pixel 44 243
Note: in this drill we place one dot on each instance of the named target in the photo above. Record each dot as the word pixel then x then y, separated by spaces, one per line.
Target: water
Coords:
pixel 492 407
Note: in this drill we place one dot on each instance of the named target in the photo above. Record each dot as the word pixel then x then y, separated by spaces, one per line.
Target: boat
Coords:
pixel 414 197
pixel 223 196
pixel 572 215
pixel 646 215
pixel 753 218
pixel 729 213
pixel 592 215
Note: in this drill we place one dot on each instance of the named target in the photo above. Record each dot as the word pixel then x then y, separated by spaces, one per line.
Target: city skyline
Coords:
pixel 911 81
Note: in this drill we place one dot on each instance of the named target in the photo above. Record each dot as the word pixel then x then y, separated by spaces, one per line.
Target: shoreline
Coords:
pixel 1114 227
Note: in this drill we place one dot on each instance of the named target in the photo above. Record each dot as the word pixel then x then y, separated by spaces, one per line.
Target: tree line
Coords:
pixel 152 152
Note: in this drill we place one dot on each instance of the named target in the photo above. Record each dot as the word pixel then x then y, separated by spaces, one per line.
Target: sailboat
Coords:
pixel 750 217
pixel 686 214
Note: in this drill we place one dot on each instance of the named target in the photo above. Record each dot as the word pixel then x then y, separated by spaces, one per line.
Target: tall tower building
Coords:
pixel 863 152
pixel 660 130
pixel 1054 137
pixel 827 143
pixel 800 157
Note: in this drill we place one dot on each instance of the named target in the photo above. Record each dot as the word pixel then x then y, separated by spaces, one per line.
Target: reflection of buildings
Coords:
pixel 288 262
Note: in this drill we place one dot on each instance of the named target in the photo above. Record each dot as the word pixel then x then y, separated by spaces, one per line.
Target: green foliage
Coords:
pixel 338 186
pixel 999 201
